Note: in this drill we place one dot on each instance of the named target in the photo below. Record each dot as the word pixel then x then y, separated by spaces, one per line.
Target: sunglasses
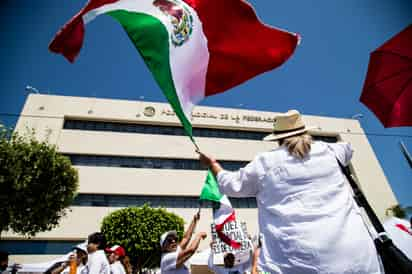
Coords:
pixel 170 240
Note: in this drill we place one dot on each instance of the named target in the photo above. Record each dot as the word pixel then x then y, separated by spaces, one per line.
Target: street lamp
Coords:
pixel 32 89
pixel 405 152
pixel 357 116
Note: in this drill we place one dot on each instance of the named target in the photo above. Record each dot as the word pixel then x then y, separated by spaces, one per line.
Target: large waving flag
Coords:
pixel 194 48
pixel 222 215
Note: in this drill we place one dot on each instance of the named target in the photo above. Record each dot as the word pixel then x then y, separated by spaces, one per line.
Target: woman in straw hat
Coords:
pixel 307 216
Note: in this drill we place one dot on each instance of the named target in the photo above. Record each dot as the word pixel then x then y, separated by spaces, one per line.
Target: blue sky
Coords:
pixel 324 77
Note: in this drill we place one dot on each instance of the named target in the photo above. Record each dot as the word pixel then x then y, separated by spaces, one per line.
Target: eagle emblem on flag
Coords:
pixel 181 19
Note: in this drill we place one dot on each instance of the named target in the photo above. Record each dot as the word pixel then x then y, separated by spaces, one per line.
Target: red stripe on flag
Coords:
pixel 223 236
pixel 404 228
pixel 240 45
pixel 69 39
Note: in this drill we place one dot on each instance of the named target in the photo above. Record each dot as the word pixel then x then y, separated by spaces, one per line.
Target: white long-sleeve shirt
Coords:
pixel 97 263
pixel 168 263
pixel 307 216
pixel 117 268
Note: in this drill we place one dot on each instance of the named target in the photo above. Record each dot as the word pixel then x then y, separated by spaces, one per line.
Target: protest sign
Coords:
pixel 236 231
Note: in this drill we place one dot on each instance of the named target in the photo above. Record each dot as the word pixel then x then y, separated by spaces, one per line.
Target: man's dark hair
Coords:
pixel 3 256
pixel 97 238
pixel 229 260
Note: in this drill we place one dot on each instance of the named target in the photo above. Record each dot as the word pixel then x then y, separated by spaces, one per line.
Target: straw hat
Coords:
pixel 286 125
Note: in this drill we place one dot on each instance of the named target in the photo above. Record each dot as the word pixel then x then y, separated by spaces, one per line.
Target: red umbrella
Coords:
pixel 388 86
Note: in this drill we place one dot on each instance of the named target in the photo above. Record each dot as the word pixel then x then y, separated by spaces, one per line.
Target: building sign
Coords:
pixel 150 112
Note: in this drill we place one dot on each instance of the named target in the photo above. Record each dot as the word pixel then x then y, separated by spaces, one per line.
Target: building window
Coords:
pixel 147 162
pixel 108 200
pixel 161 129
pixel 171 130
pixel 39 247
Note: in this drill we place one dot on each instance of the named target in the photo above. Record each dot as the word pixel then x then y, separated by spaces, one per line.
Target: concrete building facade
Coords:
pixel 134 152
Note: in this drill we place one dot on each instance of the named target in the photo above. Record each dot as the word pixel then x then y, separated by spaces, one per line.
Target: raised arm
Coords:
pixel 189 232
pixel 63 266
pixel 185 254
pixel 210 162
pixel 255 258
pixel 241 183
pixel 60 268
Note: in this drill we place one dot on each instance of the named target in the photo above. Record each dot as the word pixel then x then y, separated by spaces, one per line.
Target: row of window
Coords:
pixel 161 130
pixel 40 247
pixel 171 130
pixel 146 162
pixel 154 201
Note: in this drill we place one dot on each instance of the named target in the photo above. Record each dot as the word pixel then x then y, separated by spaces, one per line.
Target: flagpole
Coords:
pixel 194 143
pixel 200 207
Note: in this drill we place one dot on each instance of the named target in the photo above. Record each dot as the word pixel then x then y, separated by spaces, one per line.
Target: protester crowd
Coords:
pixel 308 219
pixel 94 257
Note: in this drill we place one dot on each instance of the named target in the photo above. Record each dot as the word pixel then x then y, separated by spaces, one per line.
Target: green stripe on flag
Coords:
pixel 210 189
pixel 151 39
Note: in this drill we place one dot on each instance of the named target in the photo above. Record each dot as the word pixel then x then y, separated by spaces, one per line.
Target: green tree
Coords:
pixel 37 184
pixel 138 230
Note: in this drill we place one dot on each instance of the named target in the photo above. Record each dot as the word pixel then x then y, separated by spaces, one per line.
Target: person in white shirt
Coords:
pixel 79 256
pixel 118 260
pixel 237 262
pixel 175 255
pixel 308 218
pixel 97 261
pixel 229 266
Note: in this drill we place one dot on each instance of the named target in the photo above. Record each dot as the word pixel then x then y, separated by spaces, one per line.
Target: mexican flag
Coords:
pixel 224 214
pixel 194 48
